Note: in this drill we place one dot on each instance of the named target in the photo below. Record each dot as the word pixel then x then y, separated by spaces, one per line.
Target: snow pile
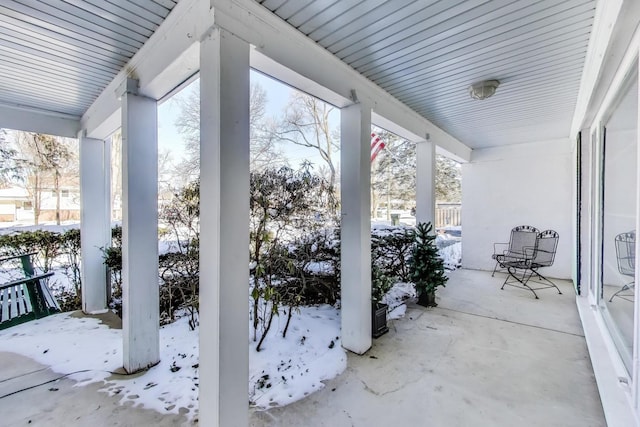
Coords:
pixel 452 256
pixel 10 228
pixel 444 240
pixel 396 298
pixel 67 345
pixel 382 228
pixel 319 267
pixel 287 369
pixel 70 344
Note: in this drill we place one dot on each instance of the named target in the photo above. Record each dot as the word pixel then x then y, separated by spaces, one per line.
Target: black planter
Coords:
pixel 427 299
pixel 379 319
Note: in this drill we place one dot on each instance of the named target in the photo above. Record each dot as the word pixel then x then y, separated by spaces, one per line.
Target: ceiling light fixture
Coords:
pixel 483 89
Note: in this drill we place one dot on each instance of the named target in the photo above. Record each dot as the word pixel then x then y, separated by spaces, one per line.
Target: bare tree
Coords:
pixel 55 157
pixel 393 173
pixel 263 151
pixel 166 170
pixel 306 123
pixel 9 168
pixel 116 175
pixel 448 180
pixel 45 159
pixel 188 124
pixel 32 171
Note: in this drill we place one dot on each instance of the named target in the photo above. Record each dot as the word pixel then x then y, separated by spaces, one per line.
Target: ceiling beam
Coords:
pixel 29 119
pixel 171 56
pixel 297 60
pixel 168 58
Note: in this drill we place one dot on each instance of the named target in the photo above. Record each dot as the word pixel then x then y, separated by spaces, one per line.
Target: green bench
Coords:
pixel 25 298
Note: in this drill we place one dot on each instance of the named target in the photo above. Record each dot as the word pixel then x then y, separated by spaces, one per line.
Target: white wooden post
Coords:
pixel 224 230
pixel 425 182
pixel 355 183
pixel 140 310
pixel 95 230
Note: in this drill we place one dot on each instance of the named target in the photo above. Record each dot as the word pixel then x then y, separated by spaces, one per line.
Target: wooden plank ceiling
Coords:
pixel 59 55
pixel 427 52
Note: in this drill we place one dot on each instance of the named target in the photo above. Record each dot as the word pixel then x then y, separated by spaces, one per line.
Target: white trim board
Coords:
pixel 607 368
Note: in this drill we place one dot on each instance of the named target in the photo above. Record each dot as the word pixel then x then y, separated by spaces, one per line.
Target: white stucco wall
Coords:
pixel 503 187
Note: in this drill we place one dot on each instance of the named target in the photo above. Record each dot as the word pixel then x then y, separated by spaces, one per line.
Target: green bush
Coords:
pixel 316 278
pixel 281 202
pixel 71 298
pixel 380 284
pixel 391 250
pixel 47 245
pixel 180 285
pixel 51 250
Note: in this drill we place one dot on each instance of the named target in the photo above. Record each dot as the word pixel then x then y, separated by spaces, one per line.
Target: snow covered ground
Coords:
pixel 12 227
pixel 450 250
pixel 285 370
pixel 288 369
pixel 90 351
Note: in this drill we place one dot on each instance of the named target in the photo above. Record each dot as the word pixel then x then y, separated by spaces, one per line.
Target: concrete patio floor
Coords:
pixel 483 357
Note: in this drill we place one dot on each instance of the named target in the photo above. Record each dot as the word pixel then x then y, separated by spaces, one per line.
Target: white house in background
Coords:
pixel 15 205
pixel 69 203
pixel 555 147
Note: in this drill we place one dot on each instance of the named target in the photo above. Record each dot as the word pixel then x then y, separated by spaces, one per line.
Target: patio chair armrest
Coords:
pixel 26 280
pixel 498 249
pixel 511 257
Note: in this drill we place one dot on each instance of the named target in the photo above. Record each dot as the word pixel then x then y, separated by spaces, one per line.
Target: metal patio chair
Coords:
pixel 523 272
pixel 522 236
pixel 626 257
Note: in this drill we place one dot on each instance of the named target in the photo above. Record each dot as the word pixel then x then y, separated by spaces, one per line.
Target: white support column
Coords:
pixel 140 292
pixel 95 230
pixel 355 183
pixel 224 230
pixel 425 181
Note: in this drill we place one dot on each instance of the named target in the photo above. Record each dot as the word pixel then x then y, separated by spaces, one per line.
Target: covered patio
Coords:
pixel 482 357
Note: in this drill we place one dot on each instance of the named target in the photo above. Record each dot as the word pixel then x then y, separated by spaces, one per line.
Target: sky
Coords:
pixel 278 95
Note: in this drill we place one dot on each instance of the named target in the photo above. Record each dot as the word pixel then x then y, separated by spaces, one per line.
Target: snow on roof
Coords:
pixel 14 193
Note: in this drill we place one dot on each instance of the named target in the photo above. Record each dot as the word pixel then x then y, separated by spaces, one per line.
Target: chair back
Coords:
pixel 545 251
pixel 522 236
pixel 626 253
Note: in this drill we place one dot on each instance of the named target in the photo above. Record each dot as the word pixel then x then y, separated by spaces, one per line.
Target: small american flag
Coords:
pixel 377 145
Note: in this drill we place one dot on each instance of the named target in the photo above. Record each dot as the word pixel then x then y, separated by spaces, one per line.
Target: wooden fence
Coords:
pixel 448 214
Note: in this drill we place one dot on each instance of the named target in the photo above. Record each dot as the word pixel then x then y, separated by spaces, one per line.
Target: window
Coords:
pixel 618 147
